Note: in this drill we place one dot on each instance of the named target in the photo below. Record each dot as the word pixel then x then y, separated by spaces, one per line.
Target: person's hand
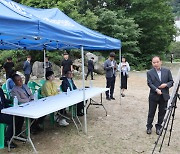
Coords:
pixel 164 85
pixel 159 92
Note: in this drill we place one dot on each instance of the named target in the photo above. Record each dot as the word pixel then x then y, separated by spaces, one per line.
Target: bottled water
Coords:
pixel 36 95
pixel 15 101
pixel 68 91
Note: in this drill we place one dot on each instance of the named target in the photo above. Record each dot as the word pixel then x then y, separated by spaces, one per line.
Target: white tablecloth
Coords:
pixel 45 106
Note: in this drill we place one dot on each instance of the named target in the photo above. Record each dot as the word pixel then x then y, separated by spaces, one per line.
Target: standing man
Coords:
pixel 172 57
pixel 90 68
pixel 66 64
pixel 27 68
pixel 159 80
pixel 110 69
pixel 8 66
pixel 48 65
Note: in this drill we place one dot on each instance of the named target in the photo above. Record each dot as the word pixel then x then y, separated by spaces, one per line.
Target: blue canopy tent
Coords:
pixel 36 29
pixel 30 28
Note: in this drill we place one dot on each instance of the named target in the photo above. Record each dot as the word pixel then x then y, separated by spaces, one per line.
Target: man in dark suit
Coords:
pixel 110 69
pixel 27 68
pixel 69 83
pixel 159 80
pixel 90 68
pixel 8 119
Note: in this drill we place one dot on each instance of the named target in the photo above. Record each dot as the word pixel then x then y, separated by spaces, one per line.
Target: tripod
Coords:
pixel 171 112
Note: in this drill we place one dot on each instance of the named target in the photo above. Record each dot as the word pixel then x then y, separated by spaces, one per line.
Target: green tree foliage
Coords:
pixel 69 7
pixel 40 3
pixel 17 56
pixel 117 25
pixel 145 27
pixel 108 4
pixel 175 48
pixel 157 23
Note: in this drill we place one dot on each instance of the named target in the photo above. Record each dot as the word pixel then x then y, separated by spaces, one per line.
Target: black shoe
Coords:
pixel 112 98
pixel 107 98
pixel 122 95
pixel 149 131
pixel 39 129
pixel 12 145
pixel 80 114
pixel 34 131
pixel 158 131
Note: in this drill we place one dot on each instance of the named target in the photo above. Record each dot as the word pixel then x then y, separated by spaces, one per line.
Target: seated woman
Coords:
pixel 24 95
pixel 69 83
pixel 9 82
pixel 49 89
pixel 8 119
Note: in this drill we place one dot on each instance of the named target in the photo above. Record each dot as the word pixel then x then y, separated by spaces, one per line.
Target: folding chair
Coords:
pixel 33 86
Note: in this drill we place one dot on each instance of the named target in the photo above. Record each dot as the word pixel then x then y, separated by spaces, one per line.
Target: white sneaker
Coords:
pixel 63 122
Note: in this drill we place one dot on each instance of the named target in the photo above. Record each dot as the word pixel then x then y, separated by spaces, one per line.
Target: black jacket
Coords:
pixel 4 103
pixel 90 65
pixel 65 84
pixel 154 82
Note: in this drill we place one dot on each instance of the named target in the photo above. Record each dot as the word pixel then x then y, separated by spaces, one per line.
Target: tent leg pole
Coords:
pixel 120 76
pixel 83 84
pixel 44 63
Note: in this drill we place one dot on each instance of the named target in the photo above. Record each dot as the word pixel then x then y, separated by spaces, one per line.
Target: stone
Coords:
pixel 38 70
pixel 85 69
pixel 33 77
pixel 77 64
pixel 21 74
pixel 89 55
pixel 98 62
pixel 99 68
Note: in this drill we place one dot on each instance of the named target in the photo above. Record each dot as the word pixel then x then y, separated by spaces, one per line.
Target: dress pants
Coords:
pixel 27 76
pixel 162 105
pixel 110 82
pixel 36 122
pixel 8 119
pixel 7 75
pixel 90 71
pixel 80 107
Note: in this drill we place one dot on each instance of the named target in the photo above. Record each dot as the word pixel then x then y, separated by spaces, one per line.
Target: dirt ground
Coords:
pixel 123 131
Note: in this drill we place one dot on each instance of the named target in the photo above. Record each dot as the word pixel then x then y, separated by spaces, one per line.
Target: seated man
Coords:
pixel 68 82
pixel 8 119
pixel 24 95
pixel 49 89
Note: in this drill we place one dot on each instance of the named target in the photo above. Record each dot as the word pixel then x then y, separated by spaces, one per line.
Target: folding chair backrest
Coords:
pixel 60 88
pixel 42 82
pixel 39 94
pixel 4 87
pixel 33 86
